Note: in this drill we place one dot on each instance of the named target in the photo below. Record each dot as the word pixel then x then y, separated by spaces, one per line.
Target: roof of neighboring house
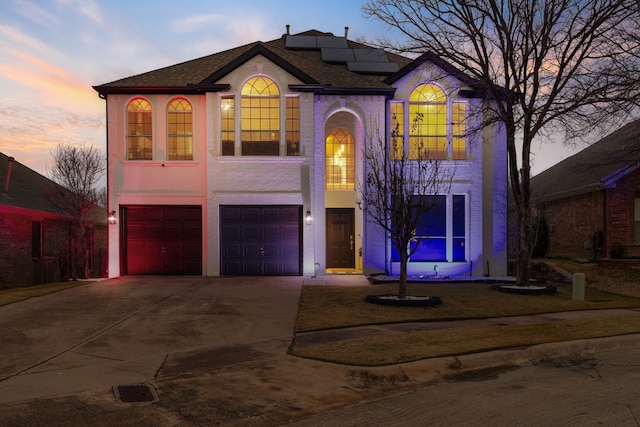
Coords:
pixel 593 168
pixel 323 62
pixel 25 188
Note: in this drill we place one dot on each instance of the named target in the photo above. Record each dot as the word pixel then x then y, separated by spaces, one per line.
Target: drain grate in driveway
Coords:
pixel 135 393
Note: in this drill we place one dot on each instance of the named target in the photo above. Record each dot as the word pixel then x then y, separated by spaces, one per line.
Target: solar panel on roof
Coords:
pixel 331 41
pixel 337 55
pixel 370 55
pixel 372 67
pixel 301 42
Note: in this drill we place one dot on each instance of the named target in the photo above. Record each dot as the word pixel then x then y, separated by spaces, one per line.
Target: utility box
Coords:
pixel 578 286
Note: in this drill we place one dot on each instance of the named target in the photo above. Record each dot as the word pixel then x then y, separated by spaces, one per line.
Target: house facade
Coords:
pixel 34 237
pixel 591 201
pixel 247 162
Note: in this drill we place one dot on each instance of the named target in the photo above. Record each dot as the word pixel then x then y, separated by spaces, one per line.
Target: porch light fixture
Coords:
pixel 112 217
pixel 308 218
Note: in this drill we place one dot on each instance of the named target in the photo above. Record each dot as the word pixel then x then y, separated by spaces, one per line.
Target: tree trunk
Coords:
pixel 524 242
pixel 402 283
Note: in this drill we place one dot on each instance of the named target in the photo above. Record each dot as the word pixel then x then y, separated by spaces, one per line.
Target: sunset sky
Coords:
pixel 53 51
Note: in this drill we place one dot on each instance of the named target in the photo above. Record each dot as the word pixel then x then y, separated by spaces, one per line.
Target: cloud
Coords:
pixel 51 82
pixel 31 133
pixel 195 22
pixel 229 31
pixel 88 8
pixel 35 13
pixel 14 37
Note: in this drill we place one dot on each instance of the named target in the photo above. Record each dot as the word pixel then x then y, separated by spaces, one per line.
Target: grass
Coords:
pixel 412 346
pixel 8 296
pixel 324 307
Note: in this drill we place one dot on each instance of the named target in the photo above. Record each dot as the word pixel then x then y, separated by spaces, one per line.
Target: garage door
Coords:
pixel 162 239
pixel 260 240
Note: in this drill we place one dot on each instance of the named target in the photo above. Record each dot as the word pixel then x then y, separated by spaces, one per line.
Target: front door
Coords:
pixel 340 238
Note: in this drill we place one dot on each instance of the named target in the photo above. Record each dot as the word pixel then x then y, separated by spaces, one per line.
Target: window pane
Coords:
pixel 459 228
pixel 428 123
pixel 139 130
pixel 397 130
pixel 459 131
pixel 227 125
pixel 293 126
pixel 260 118
pixel 340 160
pixel 180 130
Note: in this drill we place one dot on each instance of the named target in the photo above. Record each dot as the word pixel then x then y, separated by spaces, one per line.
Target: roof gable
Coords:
pixel 367 71
pixel 258 49
pixel 597 166
pixel 25 187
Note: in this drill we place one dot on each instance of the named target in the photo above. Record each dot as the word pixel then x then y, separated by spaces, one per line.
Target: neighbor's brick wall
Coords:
pixel 16 263
pixel 572 221
pixel 620 210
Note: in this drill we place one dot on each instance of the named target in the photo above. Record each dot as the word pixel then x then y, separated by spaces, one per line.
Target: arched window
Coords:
pixel 260 117
pixel 179 130
pixel 428 122
pixel 139 130
pixel 340 160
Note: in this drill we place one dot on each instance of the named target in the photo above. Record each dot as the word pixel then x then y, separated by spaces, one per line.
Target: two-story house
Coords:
pixel 247 162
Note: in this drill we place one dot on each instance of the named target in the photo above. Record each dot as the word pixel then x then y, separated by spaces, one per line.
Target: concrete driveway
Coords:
pixel 123 331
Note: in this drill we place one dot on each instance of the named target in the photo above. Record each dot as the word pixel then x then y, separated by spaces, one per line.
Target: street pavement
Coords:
pixel 212 351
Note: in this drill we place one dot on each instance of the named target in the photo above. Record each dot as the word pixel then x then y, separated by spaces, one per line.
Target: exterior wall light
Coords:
pixel 308 218
pixel 112 217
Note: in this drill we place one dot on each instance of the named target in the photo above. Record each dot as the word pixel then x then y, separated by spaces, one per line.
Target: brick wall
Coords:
pixel 620 213
pixel 571 223
pixel 16 263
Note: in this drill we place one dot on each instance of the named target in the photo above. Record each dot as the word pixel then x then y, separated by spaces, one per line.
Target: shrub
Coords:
pixel 616 251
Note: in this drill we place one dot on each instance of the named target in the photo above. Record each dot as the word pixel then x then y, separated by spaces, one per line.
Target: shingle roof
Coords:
pixel 26 187
pixel 592 168
pixel 306 64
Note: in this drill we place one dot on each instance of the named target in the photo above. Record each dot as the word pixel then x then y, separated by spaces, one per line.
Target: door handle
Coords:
pixel 351 241
pixel 261 250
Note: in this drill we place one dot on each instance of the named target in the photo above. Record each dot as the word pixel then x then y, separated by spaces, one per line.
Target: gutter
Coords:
pixel 191 88
pixel 319 89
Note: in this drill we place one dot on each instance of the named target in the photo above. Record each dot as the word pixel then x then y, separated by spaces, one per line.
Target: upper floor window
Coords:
pixel 139 130
pixel 428 122
pixel 435 125
pixel 227 125
pixel 293 126
pixel 260 117
pixel 180 130
pixel 260 121
pixel 340 160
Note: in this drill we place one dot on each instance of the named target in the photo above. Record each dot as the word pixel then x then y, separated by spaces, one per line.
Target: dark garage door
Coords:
pixel 260 240
pixel 162 239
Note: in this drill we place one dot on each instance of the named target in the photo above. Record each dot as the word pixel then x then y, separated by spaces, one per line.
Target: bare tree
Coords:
pixel 398 192
pixel 79 172
pixel 549 65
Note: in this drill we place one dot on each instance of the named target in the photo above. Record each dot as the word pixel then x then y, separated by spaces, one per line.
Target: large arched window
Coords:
pixel 179 130
pixel 428 122
pixel 260 117
pixel 139 130
pixel 340 160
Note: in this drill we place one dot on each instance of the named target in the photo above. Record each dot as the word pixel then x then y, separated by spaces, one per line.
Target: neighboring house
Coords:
pixel 591 200
pixel 34 237
pixel 247 162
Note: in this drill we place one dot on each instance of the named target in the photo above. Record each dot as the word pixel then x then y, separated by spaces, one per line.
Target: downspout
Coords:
pixel 605 225
pixel 6 185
